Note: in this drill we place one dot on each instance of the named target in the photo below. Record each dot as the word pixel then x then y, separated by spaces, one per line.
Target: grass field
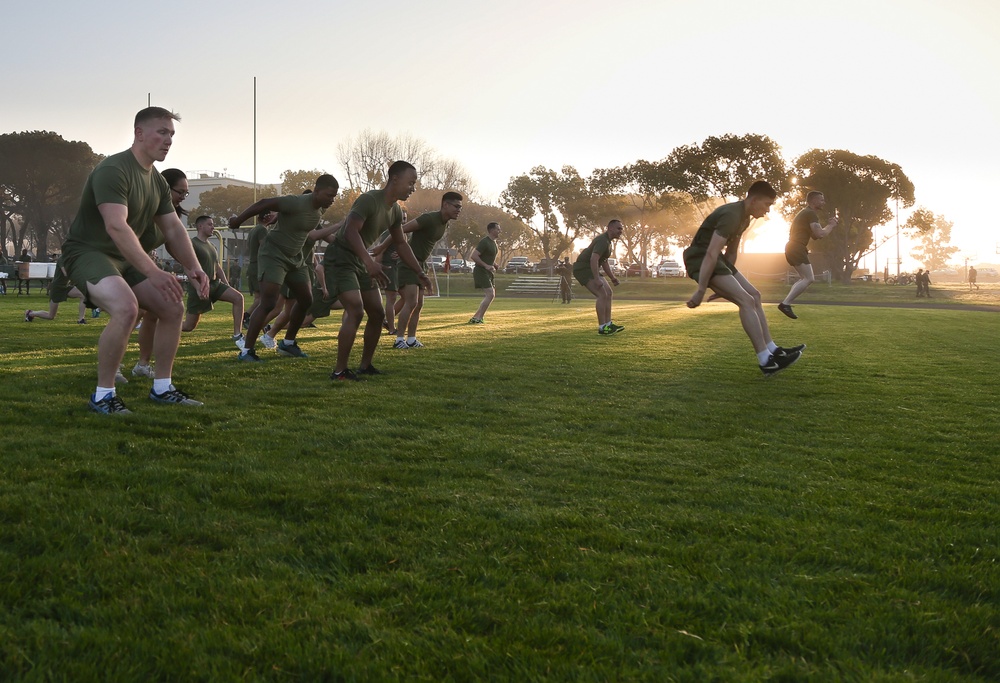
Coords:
pixel 520 501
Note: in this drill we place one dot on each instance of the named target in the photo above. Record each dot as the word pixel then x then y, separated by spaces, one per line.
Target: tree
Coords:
pixel 933 231
pixel 862 190
pixel 41 180
pixel 366 157
pixel 724 167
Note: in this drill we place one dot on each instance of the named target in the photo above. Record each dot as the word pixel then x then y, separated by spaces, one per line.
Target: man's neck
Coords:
pixel 141 158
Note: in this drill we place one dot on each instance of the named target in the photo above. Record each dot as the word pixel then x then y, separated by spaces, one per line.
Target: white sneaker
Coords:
pixel 399 344
pixel 268 341
pixel 415 344
pixel 120 377
pixel 239 341
pixel 143 371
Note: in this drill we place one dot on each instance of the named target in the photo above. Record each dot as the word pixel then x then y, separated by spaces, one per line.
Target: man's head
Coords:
pixel 154 133
pixel 493 230
pixel 402 180
pixel 451 205
pixel 205 226
pixel 760 196
pixel 816 200
pixel 325 191
pixel 615 228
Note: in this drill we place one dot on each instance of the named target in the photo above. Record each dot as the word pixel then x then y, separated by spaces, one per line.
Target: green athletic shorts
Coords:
pixel 321 306
pixel 583 276
pixel 482 278
pixel 796 253
pixel 692 262
pixel 274 266
pixel 253 279
pixel 60 286
pixel 195 304
pixel 345 272
pixel 87 267
pixel 408 277
pixel 391 271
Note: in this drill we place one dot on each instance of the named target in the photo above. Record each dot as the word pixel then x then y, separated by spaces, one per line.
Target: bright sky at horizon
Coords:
pixel 503 87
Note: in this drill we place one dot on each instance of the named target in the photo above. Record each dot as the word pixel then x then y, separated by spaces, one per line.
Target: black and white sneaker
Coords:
pixel 344 375
pixel 776 363
pixel 784 351
pixel 787 310
pixel 109 405
pixel 370 370
pixel 175 396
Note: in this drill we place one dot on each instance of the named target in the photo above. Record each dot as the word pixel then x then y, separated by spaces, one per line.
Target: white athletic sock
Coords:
pixel 103 392
pixel 410 340
pixel 772 347
pixel 763 357
pixel 401 339
pixel 162 385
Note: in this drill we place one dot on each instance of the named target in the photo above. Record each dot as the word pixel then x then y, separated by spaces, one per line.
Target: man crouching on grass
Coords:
pixel 124 198
pixel 709 267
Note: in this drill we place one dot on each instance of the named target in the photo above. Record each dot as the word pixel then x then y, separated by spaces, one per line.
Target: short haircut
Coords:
pixel 762 188
pixel 613 221
pixel 399 167
pixel 451 197
pixel 812 195
pixel 172 175
pixel 153 113
pixel 326 180
pixel 201 219
pixel 494 224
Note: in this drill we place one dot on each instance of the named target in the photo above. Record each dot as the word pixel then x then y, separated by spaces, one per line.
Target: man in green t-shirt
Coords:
pixel 586 271
pixel 280 260
pixel 709 267
pixel 424 231
pixel 125 199
pixel 805 226
pixel 353 275
pixel 254 239
pixel 485 256
pixel 218 288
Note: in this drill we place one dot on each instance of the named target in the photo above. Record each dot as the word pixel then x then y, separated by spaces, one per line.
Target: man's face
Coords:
pixel 615 230
pixel 818 202
pixel 494 233
pixel 324 198
pixel 405 184
pixel 451 210
pixel 759 205
pixel 206 228
pixel 155 137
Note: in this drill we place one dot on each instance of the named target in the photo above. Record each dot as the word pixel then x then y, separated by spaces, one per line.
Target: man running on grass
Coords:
pixel 218 288
pixel 485 256
pixel 425 231
pixel 709 267
pixel 805 226
pixel 124 199
pixel 353 275
pixel 587 270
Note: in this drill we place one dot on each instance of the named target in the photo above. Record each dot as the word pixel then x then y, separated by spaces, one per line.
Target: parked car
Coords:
pixel 613 265
pixel 461 266
pixel 518 264
pixel 987 272
pixel 637 270
pixel 547 266
pixel 669 269
pixel 436 262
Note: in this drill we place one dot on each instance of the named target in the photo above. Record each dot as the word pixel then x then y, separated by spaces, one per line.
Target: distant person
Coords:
pixel 254 239
pixel 218 286
pixel 25 257
pixel 804 227
pixel 385 251
pixel 60 289
pixel 424 231
pixel 587 271
pixel 124 199
pixel 353 275
pixel 923 278
pixel 707 265
pixel 235 272
pixel 973 274
pixel 280 260
pixel 565 271
pixel 485 256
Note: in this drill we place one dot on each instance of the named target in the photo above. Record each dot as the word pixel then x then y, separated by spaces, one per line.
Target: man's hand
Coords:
pixel 695 300
pixel 200 280
pixel 375 272
pixel 425 282
pixel 167 285
pixel 234 222
pixel 614 281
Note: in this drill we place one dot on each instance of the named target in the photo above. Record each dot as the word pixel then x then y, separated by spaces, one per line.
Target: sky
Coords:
pixel 506 86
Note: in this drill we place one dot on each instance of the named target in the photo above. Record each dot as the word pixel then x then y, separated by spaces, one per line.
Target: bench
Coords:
pixel 535 284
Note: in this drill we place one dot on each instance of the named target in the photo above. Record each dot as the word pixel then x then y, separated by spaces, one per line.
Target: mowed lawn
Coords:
pixel 522 501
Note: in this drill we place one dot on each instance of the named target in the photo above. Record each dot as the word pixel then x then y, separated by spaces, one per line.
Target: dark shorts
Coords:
pixel 253 280
pixel 391 271
pixel 583 276
pixel 321 306
pixel 345 272
pixel 274 266
pixel 692 262
pixel 482 278
pixel 407 276
pixel 86 267
pixel 796 254
pixel 216 290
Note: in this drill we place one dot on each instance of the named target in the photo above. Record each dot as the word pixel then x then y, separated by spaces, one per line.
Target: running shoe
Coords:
pixel 370 370
pixel 415 344
pixel 141 370
pixel 784 351
pixel 290 349
pixel 81 321
pixel 776 363
pixel 268 341
pixel 249 356
pixel 615 329
pixel 475 321
pixel 787 310
pixel 120 377
pixel 399 344
pixel 109 405
pixel 96 313
pixel 344 376
pixel 175 396
pixel 605 330
pixel 239 341
pixel 27 316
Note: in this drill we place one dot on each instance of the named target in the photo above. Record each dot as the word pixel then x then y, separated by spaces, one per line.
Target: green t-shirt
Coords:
pixel 730 221
pixel 389 254
pixel 119 179
pixel 371 208
pixel 487 249
pixel 208 257
pixel 296 217
pixel 254 240
pixel 600 246
pixel 431 228
pixel 801 230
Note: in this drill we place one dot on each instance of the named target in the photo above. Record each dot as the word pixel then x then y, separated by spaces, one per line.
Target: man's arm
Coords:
pixel 321 278
pixel 179 245
pixel 607 269
pixel 819 232
pixel 707 268
pixel 324 233
pixel 352 233
pixel 268 204
pixel 478 260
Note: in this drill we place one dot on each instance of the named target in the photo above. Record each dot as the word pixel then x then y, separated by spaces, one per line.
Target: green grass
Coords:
pixel 523 500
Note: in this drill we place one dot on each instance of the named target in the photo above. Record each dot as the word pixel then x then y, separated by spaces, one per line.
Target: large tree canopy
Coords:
pixel 933 234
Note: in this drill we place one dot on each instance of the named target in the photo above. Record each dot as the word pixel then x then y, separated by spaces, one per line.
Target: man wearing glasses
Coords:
pixel 124 199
